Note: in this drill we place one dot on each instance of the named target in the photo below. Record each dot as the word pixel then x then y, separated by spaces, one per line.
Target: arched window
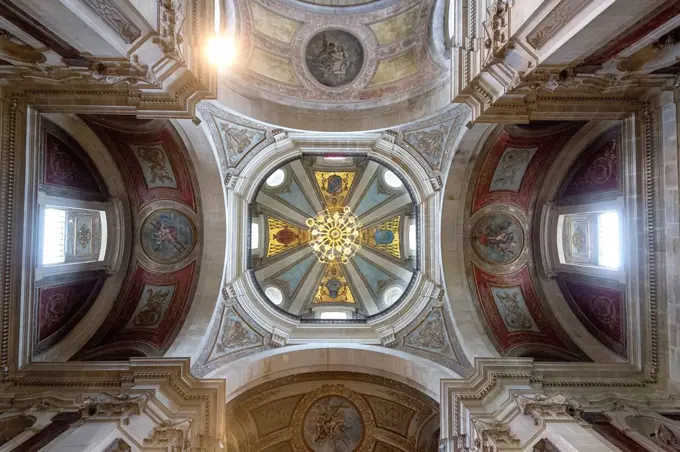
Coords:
pixel 73 234
pixel 590 238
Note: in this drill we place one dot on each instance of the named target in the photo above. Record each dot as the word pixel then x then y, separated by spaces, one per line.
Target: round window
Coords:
pixel 274 294
pixel 392 294
pixel 276 178
pixel 391 179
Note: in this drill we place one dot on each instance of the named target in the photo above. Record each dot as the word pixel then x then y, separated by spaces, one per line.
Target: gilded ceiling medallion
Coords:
pixel 335 235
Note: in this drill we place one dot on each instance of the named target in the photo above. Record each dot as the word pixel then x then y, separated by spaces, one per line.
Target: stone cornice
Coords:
pixel 122 391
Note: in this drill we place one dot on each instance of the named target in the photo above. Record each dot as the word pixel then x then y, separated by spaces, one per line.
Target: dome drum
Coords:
pixel 381 287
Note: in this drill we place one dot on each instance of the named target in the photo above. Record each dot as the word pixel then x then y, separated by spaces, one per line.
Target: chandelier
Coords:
pixel 335 235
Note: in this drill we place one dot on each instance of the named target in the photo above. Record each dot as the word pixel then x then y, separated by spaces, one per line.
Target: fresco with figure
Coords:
pixel 498 238
pixel 334 57
pixel 333 412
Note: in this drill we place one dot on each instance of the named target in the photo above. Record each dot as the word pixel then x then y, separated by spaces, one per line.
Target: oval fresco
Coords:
pixel 498 238
pixel 334 57
pixel 333 424
pixel 167 236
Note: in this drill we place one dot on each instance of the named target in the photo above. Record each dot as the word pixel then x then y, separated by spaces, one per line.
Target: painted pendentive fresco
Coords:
pixel 334 57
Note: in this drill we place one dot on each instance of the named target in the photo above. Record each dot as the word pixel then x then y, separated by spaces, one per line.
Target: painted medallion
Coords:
pixel 167 236
pixel 333 424
pixel 498 238
pixel 334 57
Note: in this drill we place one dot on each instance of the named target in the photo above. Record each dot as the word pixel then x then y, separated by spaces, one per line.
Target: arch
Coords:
pixel 191 335
pixel 545 246
pixel 120 224
pixel 469 325
pixel 249 372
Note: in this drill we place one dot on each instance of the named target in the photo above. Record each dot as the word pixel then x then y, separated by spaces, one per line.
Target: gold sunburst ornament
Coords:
pixel 335 235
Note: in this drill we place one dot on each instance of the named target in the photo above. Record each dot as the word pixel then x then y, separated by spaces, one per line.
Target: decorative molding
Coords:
pixel 171 29
pixel 111 13
pixel 497 432
pixel 548 408
pixel 172 435
pixel 119 406
pixel 497 28
pixel 556 19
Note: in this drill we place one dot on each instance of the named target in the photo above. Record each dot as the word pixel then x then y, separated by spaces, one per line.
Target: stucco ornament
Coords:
pixel 543 407
pixel 496 432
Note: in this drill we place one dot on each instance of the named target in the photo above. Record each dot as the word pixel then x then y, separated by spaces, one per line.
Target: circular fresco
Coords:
pixel 498 238
pixel 333 424
pixel 334 57
pixel 167 236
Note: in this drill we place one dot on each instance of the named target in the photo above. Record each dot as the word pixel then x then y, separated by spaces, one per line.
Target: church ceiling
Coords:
pixel 317 57
pixel 599 303
pixel 354 188
pixel 499 260
pixel 337 411
pixel 167 238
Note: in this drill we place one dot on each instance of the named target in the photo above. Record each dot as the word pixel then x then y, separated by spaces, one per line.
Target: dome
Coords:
pixel 330 239
pixel 336 64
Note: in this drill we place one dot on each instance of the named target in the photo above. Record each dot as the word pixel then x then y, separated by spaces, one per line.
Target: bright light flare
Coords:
pixel 221 51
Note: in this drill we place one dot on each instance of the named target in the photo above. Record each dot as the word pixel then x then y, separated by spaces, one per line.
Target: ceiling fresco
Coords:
pixel 501 271
pixel 333 411
pixel 167 238
pixel 296 54
pixel 325 193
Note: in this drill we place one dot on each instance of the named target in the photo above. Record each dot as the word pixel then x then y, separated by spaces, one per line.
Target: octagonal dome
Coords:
pixel 333 238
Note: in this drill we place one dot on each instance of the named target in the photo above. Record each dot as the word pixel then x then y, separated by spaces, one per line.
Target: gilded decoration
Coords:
pixel 156 168
pixel 283 236
pixel 335 235
pixel 336 259
pixel 334 287
pixel 384 237
pixel 334 186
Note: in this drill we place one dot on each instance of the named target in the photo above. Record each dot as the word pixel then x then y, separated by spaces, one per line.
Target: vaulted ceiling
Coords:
pixel 307 187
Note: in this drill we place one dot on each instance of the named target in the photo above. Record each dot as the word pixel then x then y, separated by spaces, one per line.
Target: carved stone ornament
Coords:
pixel 553 407
pixel 496 432
pixel 496 27
pixel 171 35
pixel 121 406
pixel 172 435
pixel 130 72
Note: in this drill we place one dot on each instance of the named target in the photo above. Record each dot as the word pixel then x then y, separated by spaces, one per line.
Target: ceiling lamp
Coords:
pixel 335 235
